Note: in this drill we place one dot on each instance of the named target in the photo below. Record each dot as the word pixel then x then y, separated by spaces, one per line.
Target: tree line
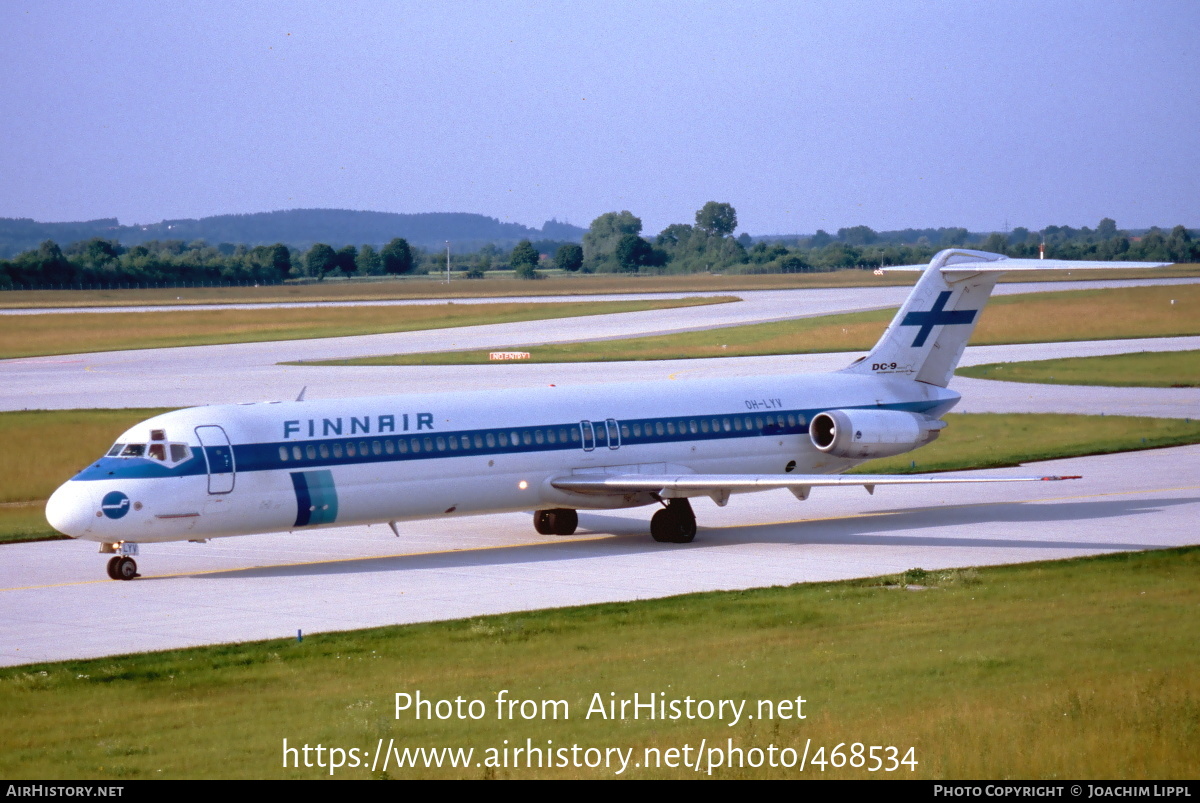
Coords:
pixel 613 243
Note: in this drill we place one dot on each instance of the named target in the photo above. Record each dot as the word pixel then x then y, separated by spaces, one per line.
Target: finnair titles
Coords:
pixel 227 470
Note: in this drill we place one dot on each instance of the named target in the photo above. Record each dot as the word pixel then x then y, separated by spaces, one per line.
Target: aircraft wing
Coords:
pixel 726 483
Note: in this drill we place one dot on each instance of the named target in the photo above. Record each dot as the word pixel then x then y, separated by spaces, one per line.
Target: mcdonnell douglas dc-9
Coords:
pixel 224 470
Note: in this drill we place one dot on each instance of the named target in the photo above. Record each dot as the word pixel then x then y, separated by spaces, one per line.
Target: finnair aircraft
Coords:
pixel 224 470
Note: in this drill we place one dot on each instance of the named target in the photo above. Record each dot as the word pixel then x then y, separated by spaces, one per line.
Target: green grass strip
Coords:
pixel 1146 369
pixel 1071 669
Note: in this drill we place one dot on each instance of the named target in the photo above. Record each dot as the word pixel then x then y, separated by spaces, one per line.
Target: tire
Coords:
pixel 543 521
pixel 566 521
pixel 663 526
pixel 112 567
pixel 126 568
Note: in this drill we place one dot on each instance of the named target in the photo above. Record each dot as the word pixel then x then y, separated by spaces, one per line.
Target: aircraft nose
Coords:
pixel 68 512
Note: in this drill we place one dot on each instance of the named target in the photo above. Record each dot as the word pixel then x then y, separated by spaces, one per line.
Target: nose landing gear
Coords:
pixel 122 567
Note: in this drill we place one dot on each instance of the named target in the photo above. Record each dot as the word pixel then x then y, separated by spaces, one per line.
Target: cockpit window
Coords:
pixel 179 452
pixel 158 451
pixel 134 450
pixel 116 450
pixel 169 453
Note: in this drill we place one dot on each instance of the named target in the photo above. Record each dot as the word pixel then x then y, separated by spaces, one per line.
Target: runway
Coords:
pixel 57 603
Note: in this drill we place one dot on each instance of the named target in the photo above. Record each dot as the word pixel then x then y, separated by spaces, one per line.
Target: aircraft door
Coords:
pixel 218 456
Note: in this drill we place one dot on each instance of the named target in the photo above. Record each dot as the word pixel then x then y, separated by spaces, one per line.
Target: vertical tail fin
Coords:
pixel 926 339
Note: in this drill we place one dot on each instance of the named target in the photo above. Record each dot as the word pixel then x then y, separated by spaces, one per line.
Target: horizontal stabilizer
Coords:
pixel 708 483
pixel 963 259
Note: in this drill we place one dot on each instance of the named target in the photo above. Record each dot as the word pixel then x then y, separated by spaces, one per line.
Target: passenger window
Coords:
pixel 362 448
pixel 453 444
pixel 574 435
pixel 758 423
pixel 416 445
pixel 350 450
pixel 692 427
pixel 402 445
pixel 725 424
pixel 429 444
pixel 791 419
pixel 637 430
pixel 324 447
pixel 337 449
pixel 310 452
pixel 539 436
pixel 466 441
pixel 526 438
pixel 737 424
pixel 624 430
pixel 283 453
pixel 551 436
pixel 295 452
pixel 704 425
pixel 659 429
pixel 441 444
pixel 516 438
pixel 491 441
pixel 504 439
pixel 670 427
pixel 376 447
pixel 389 447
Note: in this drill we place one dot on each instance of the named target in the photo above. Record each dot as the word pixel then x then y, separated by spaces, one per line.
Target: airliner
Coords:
pixel 241 469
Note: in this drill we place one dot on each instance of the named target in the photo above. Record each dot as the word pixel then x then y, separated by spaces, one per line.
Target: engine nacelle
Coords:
pixel 862 434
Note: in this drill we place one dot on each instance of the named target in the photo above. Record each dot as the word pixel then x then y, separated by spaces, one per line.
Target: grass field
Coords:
pixel 1027 318
pixel 50 447
pixel 72 333
pixel 1147 369
pixel 555 283
pixel 1062 670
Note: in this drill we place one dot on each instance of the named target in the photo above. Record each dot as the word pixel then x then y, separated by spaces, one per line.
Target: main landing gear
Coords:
pixel 675 523
pixel 122 567
pixel 559 521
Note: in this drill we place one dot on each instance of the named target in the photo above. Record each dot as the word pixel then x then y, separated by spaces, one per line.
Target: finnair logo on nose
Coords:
pixel 115 504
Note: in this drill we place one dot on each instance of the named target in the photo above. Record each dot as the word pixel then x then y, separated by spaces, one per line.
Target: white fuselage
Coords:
pixel 275 466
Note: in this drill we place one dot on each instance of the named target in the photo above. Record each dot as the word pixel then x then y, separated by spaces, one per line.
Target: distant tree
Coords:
pixel 674 235
pixel 793 263
pixel 633 253
pixel 281 261
pixel 524 260
pixel 857 235
pixel 1020 235
pixel 716 219
pixel 397 256
pixel 319 260
pixel 1106 229
pixel 602 237
pixel 995 243
pixel 569 257
pixel 745 240
pixel 347 257
pixel 820 239
pixel 368 262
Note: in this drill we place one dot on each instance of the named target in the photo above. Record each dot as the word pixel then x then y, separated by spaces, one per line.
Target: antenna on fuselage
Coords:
pixel 301 396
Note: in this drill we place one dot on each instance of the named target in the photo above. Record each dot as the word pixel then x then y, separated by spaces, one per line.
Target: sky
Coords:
pixel 802 115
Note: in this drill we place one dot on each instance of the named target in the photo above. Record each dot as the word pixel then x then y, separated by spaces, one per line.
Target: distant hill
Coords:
pixel 298 228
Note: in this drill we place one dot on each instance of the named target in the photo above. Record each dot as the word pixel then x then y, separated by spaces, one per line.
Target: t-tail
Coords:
pixel 926 339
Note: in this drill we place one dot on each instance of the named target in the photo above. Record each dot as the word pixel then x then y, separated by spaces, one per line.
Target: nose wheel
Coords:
pixel 122 567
